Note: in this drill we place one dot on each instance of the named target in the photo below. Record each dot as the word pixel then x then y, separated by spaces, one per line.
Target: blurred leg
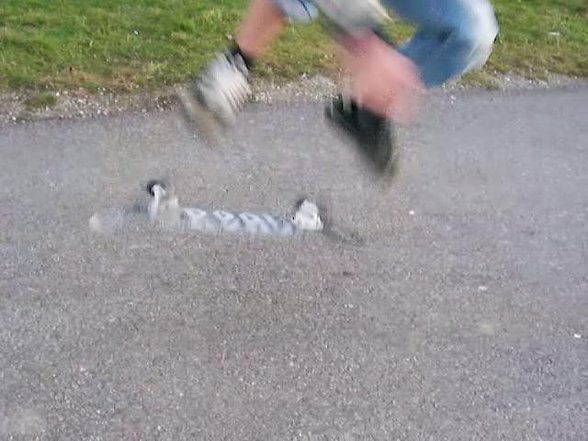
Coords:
pixel 452 37
pixel 262 23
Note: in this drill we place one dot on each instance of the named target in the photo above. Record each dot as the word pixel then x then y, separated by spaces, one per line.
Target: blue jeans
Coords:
pixel 451 38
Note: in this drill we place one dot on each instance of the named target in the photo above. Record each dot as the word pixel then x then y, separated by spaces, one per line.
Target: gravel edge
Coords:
pixel 81 104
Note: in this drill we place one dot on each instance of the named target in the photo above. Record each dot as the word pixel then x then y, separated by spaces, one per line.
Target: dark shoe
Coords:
pixel 374 135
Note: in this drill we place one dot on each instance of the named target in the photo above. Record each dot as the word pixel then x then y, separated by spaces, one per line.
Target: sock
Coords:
pixel 249 61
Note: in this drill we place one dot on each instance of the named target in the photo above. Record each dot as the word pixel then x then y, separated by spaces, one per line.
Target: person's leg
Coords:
pixel 452 37
pixel 382 87
pixel 262 23
pixel 214 99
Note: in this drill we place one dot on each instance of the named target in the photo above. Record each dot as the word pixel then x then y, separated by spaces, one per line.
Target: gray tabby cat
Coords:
pixel 164 211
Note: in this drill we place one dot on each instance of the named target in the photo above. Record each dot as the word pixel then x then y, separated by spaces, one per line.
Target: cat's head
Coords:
pixel 307 216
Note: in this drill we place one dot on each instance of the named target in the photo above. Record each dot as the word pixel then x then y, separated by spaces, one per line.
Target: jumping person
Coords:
pixel 452 37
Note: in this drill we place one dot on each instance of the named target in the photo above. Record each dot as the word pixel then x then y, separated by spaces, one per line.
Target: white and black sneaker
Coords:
pixel 214 99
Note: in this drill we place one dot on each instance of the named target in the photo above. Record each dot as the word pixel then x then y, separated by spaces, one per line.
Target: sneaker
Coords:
pixel 214 99
pixel 374 135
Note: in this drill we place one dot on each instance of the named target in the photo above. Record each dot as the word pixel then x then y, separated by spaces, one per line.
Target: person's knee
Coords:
pixel 477 33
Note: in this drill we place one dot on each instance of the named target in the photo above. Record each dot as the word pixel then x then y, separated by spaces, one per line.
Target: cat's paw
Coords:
pixel 152 183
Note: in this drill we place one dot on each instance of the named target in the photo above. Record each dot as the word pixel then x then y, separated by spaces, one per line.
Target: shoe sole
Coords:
pixel 199 117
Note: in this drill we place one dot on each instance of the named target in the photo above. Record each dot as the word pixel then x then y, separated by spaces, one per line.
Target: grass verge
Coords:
pixel 132 44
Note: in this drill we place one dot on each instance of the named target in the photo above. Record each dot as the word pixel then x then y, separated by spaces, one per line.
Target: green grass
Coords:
pixel 132 44
pixel 526 44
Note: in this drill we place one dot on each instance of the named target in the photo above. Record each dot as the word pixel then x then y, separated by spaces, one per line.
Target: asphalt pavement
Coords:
pixel 463 314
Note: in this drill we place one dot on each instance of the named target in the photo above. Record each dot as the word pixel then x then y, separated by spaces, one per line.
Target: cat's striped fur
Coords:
pixel 164 211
